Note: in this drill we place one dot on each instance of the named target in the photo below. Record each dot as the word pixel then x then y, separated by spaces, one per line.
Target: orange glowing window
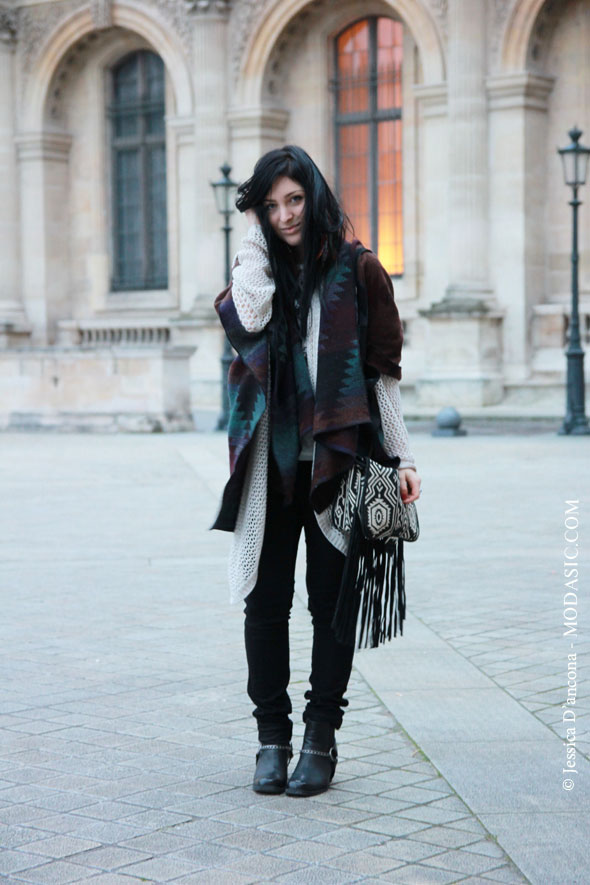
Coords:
pixel 368 126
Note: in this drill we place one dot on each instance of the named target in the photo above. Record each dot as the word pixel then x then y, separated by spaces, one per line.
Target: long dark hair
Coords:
pixel 324 230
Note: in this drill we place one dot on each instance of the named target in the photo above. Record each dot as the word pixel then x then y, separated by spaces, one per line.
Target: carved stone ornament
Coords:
pixel 222 6
pixel 498 12
pixel 35 24
pixel 440 10
pixel 544 27
pixel 102 14
pixel 7 25
pixel 246 19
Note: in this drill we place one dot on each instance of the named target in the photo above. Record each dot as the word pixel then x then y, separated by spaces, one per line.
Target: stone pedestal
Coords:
pixel 463 364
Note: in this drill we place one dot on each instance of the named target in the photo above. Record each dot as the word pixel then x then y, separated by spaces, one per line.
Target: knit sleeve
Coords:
pixel 394 429
pixel 252 284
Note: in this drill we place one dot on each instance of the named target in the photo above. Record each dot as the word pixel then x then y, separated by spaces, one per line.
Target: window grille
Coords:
pixel 368 134
pixel 138 151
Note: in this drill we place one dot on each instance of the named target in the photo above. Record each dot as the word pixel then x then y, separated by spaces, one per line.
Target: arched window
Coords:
pixel 138 150
pixel 368 123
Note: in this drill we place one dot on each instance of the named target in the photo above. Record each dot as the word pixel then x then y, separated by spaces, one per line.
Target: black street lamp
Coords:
pixel 575 167
pixel 224 191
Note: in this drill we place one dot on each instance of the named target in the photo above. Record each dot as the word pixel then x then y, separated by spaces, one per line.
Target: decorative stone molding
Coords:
pixel 288 41
pixel 111 333
pixel 246 19
pixel 102 14
pixel 542 32
pixel 519 90
pixel 219 6
pixel 183 129
pixel 258 122
pixel 8 25
pixel 432 99
pixel 518 22
pixel 498 14
pixel 439 9
pixel 243 23
pixel 35 23
pixel 70 65
pixel 43 146
pixel 177 15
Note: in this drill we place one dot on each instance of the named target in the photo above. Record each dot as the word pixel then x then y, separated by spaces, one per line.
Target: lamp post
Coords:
pixel 575 168
pixel 224 191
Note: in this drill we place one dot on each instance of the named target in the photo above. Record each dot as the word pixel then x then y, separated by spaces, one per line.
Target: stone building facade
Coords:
pixel 436 120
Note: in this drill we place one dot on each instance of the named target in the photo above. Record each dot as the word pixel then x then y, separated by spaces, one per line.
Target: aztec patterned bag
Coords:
pixel 372 491
pixel 369 507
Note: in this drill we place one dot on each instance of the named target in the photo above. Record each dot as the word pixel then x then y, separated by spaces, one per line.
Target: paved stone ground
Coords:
pixel 126 741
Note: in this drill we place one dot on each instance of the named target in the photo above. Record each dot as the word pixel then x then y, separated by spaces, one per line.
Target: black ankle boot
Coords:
pixel 272 761
pixel 317 762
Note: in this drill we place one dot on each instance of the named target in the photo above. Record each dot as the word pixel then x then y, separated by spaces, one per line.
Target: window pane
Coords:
pixel 389 63
pixel 158 258
pixel 389 185
pixel 139 173
pixel 354 178
pixel 126 124
pixel 128 214
pixel 126 81
pixel 154 123
pixel 369 154
pixel 353 69
pixel 154 77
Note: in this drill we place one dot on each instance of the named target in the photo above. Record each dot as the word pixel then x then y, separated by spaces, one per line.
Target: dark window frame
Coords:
pixel 371 117
pixel 151 277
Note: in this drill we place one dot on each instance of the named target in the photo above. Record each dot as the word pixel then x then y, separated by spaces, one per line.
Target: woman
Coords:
pixel 312 384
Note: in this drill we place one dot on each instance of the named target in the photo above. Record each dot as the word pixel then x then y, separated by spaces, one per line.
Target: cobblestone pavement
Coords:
pixel 126 740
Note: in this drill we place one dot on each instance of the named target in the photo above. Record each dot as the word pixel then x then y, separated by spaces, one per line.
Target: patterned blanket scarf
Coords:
pixel 342 412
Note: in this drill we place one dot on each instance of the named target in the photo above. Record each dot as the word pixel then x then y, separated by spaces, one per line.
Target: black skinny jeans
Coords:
pixel 267 612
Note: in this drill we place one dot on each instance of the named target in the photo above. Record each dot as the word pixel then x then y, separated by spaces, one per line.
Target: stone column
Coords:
pixel 210 71
pixel 211 138
pixel 14 327
pixel 463 348
pixel 44 230
pixel 468 166
pixel 518 105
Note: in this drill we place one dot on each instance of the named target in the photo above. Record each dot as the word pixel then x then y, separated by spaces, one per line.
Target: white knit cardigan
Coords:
pixel 252 292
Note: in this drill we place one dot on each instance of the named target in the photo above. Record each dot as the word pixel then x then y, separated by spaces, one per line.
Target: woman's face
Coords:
pixel 285 205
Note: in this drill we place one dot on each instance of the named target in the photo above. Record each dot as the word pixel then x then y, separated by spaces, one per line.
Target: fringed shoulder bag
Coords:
pixel 369 507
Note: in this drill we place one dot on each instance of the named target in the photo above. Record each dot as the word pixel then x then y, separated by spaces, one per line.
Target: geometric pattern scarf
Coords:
pixel 341 412
pixel 340 404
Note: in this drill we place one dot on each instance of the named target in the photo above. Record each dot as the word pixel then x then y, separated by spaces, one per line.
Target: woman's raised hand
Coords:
pixel 251 216
pixel 409 484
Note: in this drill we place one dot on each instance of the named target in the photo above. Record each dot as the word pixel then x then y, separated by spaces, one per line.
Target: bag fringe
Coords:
pixel 373 584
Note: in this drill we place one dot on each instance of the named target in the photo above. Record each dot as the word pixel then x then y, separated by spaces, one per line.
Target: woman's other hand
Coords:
pixel 251 216
pixel 409 484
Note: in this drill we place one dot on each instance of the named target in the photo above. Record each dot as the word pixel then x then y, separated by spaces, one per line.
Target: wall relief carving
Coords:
pixel 102 14
pixel 222 6
pixel 35 23
pixel 8 25
pixel 498 14
pixel 440 9
pixel 542 32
